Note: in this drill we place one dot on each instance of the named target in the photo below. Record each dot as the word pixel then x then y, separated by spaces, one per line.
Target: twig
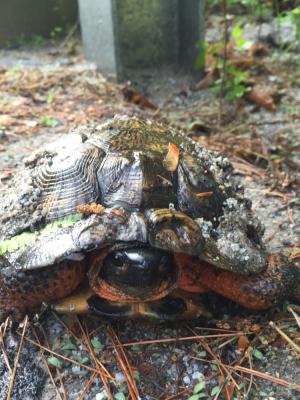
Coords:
pixel 124 364
pixel 285 336
pixel 13 375
pixel 68 329
pixel 69 35
pixel 259 374
pixel 180 339
pixel 251 376
pixel 219 362
pixel 2 345
pixel 47 365
pixel 87 386
pixel 61 356
pixel 267 377
pixel 296 316
pixel 102 371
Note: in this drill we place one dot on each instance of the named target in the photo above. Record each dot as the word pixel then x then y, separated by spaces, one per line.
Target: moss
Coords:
pixel 25 239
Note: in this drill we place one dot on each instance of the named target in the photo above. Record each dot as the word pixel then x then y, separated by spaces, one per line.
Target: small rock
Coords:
pixel 197 376
pixel 119 377
pixel 102 395
pixel 186 380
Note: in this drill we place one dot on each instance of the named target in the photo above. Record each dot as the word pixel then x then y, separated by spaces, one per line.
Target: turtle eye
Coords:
pixel 116 258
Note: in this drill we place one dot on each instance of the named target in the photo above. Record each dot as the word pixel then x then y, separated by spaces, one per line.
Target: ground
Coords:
pixel 45 92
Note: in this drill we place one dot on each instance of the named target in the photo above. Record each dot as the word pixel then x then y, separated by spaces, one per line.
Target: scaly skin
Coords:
pixel 255 292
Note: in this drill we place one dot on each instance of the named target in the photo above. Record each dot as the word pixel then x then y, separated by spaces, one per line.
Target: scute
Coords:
pixel 68 182
pixel 51 184
pixel 123 134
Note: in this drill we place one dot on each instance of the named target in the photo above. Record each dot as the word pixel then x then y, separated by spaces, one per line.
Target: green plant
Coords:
pixel 198 391
pixel 256 8
pixel 48 121
pixel 237 35
pixel 291 17
pixel 201 57
pixel 27 41
pixel 26 238
pixel 230 80
pixel 56 32
pixel 50 97
pixel 55 362
pixel 234 83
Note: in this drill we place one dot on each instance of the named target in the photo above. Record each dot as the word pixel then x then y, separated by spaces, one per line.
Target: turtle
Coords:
pixel 132 218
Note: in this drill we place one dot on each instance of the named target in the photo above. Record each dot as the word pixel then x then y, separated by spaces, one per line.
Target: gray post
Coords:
pixel 125 35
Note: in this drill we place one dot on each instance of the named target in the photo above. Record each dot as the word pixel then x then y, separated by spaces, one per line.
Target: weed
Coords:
pixel 198 391
pixel 56 32
pixel 48 121
pixel 50 97
pixel 232 80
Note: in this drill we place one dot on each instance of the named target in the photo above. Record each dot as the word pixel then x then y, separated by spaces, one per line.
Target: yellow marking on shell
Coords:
pixel 54 201
pixel 204 194
pixel 48 203
pixel 172 158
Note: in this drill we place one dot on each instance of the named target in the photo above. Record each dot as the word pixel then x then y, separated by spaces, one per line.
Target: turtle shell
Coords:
pixel 136 165
pixel 118 163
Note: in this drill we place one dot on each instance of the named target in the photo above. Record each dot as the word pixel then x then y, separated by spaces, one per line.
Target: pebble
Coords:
pixel 76 369
pixel 119 377
pixel 102 395
pixel 186 380
pixel 198 376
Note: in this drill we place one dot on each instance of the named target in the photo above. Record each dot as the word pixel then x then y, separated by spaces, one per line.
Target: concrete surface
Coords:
pixel 126 35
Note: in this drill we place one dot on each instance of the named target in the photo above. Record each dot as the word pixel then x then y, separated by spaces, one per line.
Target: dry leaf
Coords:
pixel 172 158
pixel 132 95
pixel 241 61
pixel 7 120
pixel 228 389
pixel 261 98
pixel 243 343
pixel 295 253
pixel 258 49
pixel 207 81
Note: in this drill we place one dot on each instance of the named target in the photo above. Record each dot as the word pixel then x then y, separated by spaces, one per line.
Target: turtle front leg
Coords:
pixel 174 231
pixel 257 292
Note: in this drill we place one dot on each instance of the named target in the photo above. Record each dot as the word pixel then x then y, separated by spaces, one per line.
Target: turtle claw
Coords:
pixel 174 231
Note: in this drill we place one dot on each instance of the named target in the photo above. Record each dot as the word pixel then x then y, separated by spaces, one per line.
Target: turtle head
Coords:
pixel 133 272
